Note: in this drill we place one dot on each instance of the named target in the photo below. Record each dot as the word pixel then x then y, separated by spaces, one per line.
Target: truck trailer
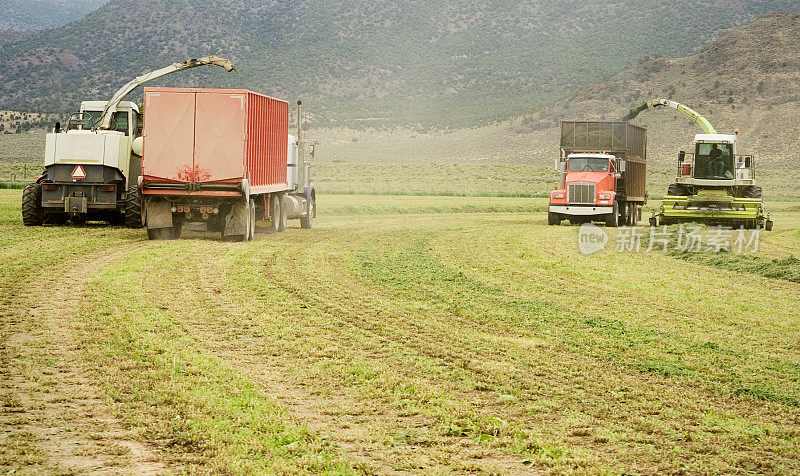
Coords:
pixel 223 160
pixel 602 168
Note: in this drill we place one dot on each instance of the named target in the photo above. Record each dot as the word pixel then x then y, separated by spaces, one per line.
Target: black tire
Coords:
pixel 768 225
pixel 612 219
pixel 283 218
pixel 133 208
pixel 677 190
pixel 623 215
pixel 653 221
pixel 32 212
pixel 308 221
pixel 753 192
pixel 553 219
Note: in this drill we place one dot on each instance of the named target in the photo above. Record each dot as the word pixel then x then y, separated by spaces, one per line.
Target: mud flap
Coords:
pixel 158 215
pixel 236 220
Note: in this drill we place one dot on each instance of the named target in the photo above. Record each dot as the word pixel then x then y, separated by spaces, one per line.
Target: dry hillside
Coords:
pixel 749 79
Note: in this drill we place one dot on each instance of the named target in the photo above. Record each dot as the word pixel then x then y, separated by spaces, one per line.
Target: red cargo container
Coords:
pixel 223 159
pixel 208 136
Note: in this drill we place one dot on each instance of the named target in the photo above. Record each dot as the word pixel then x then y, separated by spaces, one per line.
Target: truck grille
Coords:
pixel 581 193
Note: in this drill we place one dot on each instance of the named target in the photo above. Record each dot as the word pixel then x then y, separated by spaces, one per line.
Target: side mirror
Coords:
pixel 57 128
pixel 621 166
pixel 681 156
pixel 748 162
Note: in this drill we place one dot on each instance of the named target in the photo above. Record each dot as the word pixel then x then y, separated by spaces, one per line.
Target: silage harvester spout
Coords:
pixel 111 106
pixel 655 103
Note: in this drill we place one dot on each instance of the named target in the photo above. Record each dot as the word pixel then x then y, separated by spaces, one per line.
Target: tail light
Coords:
pixel 107 188
pixel 49 187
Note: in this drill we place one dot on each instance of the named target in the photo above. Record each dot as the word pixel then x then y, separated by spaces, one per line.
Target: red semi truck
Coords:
pixel 222 160
pixel 602 170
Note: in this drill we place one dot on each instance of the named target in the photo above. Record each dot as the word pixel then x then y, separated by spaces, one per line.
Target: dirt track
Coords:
pixel 54 417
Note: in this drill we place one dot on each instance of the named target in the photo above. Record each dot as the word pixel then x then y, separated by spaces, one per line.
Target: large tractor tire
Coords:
pixel 677 190
pixel 308 220
pixel 753 192
pixel 32 212
pixel 133 208
pixel 553 219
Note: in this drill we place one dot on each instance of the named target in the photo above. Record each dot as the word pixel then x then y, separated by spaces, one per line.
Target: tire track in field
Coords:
pixel 354 433
pixel 54 414
pixel 550 368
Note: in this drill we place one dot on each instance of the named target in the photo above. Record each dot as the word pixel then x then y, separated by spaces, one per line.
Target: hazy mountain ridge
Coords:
pixel 25 15
pixel 436 61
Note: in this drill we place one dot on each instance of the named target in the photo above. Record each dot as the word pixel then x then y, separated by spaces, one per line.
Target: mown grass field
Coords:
pixel 401 335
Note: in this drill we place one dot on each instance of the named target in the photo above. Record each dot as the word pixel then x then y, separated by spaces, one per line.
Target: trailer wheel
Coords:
pixel 274 214
pixel 553 219
pixel 32 212
pixel 768 225
pixel 283 218
pixel 133 208
pixel 308 220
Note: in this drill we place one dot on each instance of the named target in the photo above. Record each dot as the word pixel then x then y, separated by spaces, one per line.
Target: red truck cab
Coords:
pixel 589 188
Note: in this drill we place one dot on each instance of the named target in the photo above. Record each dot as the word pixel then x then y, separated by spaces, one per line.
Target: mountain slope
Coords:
pixel 24 15
pixel 749 79
pixel 431 61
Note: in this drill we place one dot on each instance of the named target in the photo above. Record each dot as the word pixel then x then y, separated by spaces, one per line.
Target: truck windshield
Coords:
pixel 588 164
pixel 714 161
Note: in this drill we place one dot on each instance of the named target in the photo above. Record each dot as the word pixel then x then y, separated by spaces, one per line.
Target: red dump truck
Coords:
pixel 222 160
pixel 602 171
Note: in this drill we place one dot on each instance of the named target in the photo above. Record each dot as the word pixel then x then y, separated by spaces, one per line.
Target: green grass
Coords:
pixel 429 334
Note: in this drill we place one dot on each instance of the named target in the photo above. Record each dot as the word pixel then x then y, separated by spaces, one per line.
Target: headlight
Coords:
pixel 558 195
pixel 605 196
